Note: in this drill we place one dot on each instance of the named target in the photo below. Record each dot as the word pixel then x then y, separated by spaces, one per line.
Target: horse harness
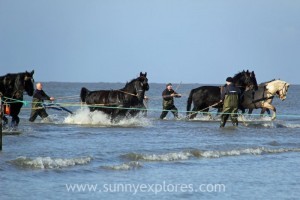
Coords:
pixel 264 98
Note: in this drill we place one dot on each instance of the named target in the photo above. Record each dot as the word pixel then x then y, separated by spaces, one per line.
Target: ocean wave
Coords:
pixel 238 152
pixel 125 166
pixel 48 162
pixel 287 125
pixel 275 124
pixel 83 116
pixel 159 157
pixel 185 155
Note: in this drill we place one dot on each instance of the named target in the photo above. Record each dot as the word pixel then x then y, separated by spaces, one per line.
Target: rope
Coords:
pixel 14 100
pixel 76 104
pixel 127 93
pixel 69 97
pixel 195 112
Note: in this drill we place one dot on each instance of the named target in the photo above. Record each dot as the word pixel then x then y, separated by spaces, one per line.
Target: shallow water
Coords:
pixel 84 156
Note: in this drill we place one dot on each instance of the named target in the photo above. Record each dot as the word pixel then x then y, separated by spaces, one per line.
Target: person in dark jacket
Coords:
pixel 168 101
pixel 39 96
pixel 230 95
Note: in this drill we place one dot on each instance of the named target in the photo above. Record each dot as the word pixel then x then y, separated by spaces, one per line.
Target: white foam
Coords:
pixel 125 166
pixel 185 155
pixel 288 125
pixel 168 156
pixel 203 118
pixel 83 116
pixel 49 163
pixel 249 118
pixel 160 157
pixel 238 152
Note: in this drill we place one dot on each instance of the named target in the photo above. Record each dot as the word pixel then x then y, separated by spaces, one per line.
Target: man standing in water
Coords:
pixel 168 101
pixel 37 103
pixel 230 98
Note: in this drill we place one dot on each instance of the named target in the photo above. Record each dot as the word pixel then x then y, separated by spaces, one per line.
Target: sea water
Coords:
pixel 84 156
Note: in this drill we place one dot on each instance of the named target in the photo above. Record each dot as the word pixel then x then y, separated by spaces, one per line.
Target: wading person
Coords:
pixel 39 96
pixel 168 101
pixel 230 97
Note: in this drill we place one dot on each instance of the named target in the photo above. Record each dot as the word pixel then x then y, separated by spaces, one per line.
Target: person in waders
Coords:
pixel 37 103
pixel 230 96
pixel 168 101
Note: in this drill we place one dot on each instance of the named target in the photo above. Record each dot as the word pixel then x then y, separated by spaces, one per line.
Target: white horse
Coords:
pixel 263 96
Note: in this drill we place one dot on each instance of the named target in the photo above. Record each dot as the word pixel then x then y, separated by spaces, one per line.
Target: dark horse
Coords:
pixel 118 103
pixel 205 97
pixel 12 87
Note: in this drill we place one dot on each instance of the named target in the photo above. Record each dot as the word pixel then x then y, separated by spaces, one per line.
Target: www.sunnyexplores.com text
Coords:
pixel 142 188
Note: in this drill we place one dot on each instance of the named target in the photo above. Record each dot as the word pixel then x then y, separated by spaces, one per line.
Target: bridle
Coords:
pixel 280 93
pixel 21 87
pixel 283 91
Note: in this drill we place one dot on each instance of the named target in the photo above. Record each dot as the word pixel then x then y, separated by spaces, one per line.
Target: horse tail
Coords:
pixel 189 101
pixel 83 94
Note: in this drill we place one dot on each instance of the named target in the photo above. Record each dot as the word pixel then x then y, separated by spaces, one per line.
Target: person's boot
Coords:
pixel 223 122
pixel 235 122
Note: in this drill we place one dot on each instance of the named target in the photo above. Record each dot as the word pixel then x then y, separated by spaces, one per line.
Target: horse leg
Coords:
pixel 219 111
pixel 15 121
pixel 5 121
pixel 113 117
pixel 117 115
pixel 206 113
pixel 263 110
pixel 144 111
pixel 193 113
pixel 271 107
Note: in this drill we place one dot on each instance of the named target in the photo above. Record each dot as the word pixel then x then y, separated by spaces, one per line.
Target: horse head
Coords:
pixel 253 81
pixel 29 82
pixel 278 87
pixel 246 80
pixel 141 85
pixel 23 82
pixel 137 87
pixel 144 80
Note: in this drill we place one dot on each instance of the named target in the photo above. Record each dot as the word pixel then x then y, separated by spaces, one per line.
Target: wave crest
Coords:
pixel 185 155
pixel 125 166
pixel 48 162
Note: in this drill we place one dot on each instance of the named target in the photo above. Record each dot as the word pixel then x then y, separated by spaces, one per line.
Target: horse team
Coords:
pixel 128 101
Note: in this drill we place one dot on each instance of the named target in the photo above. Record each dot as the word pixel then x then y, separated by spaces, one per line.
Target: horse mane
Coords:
pixel 264 83
pixel 130 82
pixel 239 74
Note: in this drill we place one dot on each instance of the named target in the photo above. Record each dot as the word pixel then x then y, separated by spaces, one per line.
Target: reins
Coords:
pixel 127 93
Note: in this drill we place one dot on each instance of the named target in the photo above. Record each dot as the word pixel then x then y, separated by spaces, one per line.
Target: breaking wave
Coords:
pixel 83 116
pixel 125 166
pixel 48 162
pixel 159 157
pixel 185 155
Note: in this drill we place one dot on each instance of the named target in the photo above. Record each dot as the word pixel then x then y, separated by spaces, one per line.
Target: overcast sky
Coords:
pixel 188 41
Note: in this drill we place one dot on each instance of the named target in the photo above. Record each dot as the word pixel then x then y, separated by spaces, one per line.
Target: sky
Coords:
pixel 188 41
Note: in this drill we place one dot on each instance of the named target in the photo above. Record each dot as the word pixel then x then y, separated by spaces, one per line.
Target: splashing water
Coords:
pixel 83 116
